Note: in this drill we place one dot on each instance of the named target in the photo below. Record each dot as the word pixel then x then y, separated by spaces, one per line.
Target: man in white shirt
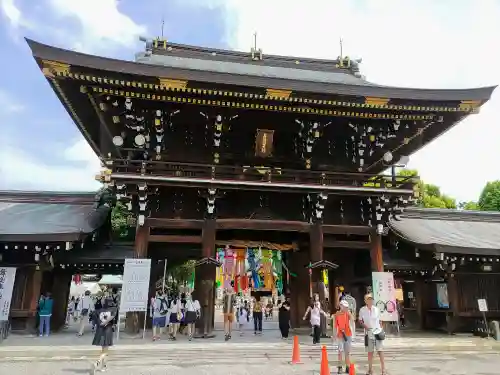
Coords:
pixel 369 318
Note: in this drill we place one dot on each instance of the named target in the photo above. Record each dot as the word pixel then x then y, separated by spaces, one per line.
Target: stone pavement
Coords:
pixel 250 355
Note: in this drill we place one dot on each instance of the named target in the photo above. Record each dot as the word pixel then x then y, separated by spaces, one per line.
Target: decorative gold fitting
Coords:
pixel 116 119
pixel 103 107
pixel 83 89
pixel 160 43
pixel 172 84
pixel 376 101
pixel 275 93
pixel 469 105
pixel 54 68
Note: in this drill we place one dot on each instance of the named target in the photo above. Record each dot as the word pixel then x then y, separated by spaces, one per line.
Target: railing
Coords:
pixel 262 174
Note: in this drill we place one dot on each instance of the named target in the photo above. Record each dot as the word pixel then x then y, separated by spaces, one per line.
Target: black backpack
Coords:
pixel 163 306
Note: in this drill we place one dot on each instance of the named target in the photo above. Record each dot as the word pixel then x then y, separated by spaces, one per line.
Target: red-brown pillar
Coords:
pixel 376 252
pixel 204 288
pixel 299 288
pixel 133 322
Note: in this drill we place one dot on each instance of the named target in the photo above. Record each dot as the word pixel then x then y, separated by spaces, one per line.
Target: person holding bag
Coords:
pixel 369 317
pixel 342 334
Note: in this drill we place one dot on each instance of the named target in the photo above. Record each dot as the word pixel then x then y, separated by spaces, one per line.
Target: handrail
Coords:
pixel 260 174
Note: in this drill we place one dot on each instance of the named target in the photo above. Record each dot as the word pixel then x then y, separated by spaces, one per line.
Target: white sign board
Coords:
pixel 7 278
pixel 483 305
pixel 135 287
pixel 384 296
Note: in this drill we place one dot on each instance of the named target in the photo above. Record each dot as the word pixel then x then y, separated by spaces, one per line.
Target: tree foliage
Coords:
pixel 429 195
pixel 120 221
pixel 183 273
pixel 489 200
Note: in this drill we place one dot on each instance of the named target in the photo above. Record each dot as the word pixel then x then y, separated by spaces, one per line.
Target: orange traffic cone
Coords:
pixel 325 368
pixel 352 369
pixel 296 351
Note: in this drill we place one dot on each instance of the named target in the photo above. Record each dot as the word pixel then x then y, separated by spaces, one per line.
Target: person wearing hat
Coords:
pixel 369 318
pixel 342 334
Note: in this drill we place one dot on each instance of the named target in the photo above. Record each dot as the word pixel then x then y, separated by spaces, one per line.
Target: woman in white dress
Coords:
pixel 314 312
pixel 175 317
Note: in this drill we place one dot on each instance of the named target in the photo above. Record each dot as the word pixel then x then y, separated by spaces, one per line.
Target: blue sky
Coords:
pixel 419 43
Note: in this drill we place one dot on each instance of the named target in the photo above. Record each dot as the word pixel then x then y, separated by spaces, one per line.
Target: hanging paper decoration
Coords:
pixel 252 266
pixel 241 269
pixel 267 268
pixel 325 277
pixel 191 282
pixel 219 277
pixel 278 269
pixel 228 267
pixel 77 279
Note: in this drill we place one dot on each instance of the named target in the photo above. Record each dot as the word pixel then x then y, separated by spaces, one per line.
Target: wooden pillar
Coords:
pixel 420 297
pixel 316 254
pixel 376 252
pixel 32 297
pixel 60 293
pixel 204 287
pixel 452 317
pixel 133 322
pixel 299 288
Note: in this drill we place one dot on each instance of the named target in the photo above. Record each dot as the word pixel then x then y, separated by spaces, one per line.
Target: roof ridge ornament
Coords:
pixel 256 53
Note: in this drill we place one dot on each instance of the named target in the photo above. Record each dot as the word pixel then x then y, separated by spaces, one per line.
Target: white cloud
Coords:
pixel 416 43
pixel 8 104
pixel 102 24
pixel 11 12
pixel 22 171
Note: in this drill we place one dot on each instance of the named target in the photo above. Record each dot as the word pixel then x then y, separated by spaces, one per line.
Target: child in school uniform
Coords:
pixel 243 317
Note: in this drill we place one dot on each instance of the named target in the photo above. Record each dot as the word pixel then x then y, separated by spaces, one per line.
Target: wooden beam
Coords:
pixel 347 229
pixel 174 223
pixel 329 243
pixel 174 239
pixel 249 224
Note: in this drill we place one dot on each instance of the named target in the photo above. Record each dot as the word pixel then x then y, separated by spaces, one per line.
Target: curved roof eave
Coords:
pixel 45 52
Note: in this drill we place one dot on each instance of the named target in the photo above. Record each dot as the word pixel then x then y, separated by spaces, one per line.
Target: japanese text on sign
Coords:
pixel 7 278
pixel 482 304
pixel 384 295
pixel 135 285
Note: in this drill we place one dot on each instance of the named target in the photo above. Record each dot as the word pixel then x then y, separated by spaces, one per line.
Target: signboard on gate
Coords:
pixel 135 286
pixel 384 296
pixel 483 305
pixel 7 279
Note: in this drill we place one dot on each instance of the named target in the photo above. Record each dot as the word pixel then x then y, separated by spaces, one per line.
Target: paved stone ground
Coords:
pixel 251 355
pixel 410 354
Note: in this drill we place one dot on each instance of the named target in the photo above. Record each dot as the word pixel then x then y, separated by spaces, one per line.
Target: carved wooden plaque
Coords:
pixel 264 143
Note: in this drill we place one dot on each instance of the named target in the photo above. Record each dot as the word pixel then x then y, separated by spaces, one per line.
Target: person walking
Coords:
pixel 314 313
pixel 45 305
pixel 103 336
pixel 228 305
pixel 284 318
pixel 193 312
pixel 258 307
pixel 159 311
pixel 342 334
pixel 175 316
pixel 369 317
pixel 85 308
pixel 243 317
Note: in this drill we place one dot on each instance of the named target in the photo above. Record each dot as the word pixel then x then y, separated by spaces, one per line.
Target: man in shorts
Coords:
pixel 343 335
pixel 228 303
pixel 369 317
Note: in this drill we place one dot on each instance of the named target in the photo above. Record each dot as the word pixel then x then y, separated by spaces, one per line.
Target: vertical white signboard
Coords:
pixel 384 296
pixel 7 279
pixel 135 287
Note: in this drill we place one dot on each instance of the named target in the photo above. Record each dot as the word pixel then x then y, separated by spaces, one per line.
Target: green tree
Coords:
pixel 489 200
pixel 120 216
pixel 429 195
pixel 468 206
pixel 183 273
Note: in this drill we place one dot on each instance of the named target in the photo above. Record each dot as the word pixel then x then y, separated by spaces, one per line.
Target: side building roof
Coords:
pixel 451 231
pixel 48 216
